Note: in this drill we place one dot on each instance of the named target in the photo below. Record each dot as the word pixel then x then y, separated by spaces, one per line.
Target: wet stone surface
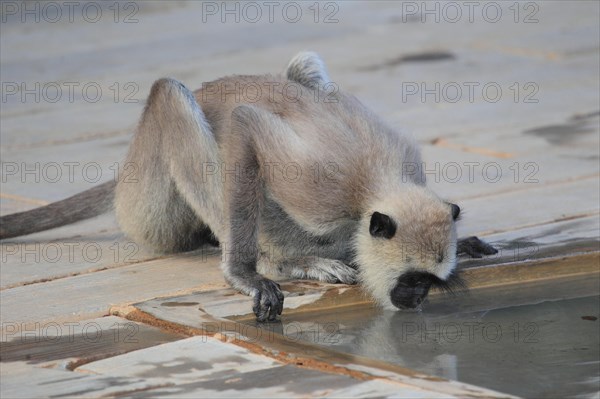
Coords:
pixel 530 340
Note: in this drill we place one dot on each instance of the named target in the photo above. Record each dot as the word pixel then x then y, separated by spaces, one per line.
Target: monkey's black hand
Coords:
pixel 268 300
pixel 474 247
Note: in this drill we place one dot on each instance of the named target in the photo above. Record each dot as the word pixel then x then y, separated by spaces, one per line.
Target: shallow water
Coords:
pixel 531 340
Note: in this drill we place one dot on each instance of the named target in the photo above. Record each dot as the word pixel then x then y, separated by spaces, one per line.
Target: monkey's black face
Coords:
pixel 411 289
pixel 413 286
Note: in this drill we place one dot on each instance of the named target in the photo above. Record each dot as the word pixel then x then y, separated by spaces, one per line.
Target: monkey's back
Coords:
pixel 339 152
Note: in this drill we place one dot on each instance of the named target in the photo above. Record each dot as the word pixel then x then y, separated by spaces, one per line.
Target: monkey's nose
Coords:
pixel 413 303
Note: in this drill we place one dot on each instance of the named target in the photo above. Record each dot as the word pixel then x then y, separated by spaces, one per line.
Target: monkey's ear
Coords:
pixel 308 69
pixel 455 211
pixel 382 226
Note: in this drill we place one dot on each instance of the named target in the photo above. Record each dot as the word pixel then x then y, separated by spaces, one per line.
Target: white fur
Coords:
pixel 424 230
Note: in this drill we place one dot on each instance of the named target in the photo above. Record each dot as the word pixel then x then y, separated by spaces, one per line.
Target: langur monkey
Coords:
pixel 287 176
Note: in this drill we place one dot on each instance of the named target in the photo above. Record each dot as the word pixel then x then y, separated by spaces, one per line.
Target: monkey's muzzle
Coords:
pixel 411 290
pixel 408 297
pixel 412 287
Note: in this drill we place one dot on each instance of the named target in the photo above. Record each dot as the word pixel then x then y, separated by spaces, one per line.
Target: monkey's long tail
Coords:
pixel 85 205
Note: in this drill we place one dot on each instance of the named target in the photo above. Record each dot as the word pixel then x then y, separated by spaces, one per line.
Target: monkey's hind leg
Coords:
pixel 162 198
pixel 321 269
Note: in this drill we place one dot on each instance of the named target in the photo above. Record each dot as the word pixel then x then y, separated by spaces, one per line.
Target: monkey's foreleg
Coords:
pixel 474 247
pixel 244 194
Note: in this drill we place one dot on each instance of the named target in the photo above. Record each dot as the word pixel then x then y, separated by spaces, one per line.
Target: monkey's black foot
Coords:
pixel 474 247
pixel 268 300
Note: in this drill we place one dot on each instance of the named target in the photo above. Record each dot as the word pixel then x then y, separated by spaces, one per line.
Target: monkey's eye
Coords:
pixel 455 209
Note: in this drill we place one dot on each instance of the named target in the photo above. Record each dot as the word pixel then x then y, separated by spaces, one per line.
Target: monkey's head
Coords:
pixel 406 244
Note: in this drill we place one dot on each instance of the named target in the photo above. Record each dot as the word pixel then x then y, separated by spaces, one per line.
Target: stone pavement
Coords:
pixel 504 102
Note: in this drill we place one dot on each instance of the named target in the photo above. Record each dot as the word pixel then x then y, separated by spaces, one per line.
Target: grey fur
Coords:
pixel 206 166
pixel 166 204
pixel 78 207
pixel 308 69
